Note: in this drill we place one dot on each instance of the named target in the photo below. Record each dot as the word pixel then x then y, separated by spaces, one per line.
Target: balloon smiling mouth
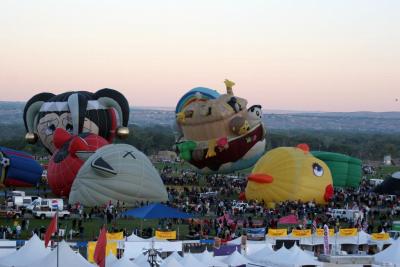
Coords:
pixel 261 178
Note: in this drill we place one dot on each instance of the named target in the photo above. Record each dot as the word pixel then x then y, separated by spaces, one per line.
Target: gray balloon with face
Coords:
pixel 116 172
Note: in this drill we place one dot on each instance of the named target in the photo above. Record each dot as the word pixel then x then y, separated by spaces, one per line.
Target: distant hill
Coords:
pixel 374 122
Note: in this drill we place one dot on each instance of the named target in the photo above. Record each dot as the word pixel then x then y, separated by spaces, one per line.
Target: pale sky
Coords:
pixel 338 55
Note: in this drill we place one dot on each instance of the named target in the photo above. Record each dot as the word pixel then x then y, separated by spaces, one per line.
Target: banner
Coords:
pixel 110 248
pixel 166 234
pixel 277 232
pixel 380 236
pixel 320 232
pixel 348 232
pixel 326 239
pixel 301 233
pixel 115 236
pixel 255 233
pixel 226 250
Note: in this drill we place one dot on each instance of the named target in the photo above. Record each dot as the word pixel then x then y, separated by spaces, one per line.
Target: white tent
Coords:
pixel 175 256
pixel 389 255
pixel 189 260
pixel 134 238
pixel 291 257
pixel 123 262
pixel 66 258
pixel 141 260
pixel 261 255
pixel 236 259
pixel 207 259
pixel 33 250
pixel 110 259
pixel 172 263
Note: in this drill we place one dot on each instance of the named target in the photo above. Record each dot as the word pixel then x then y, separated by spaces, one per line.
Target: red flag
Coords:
pixel 50 230
pixel 100 250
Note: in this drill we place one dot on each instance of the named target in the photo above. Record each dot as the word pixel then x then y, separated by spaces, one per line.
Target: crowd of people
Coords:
pixel 215 199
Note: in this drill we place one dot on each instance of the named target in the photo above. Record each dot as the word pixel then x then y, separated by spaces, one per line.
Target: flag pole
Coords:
pixel 58 237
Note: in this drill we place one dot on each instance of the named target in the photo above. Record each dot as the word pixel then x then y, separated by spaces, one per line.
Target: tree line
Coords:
pixel 151 139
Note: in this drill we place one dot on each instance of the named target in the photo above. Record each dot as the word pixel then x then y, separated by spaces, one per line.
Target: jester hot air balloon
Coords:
pixel 290 173
pixel 116 172
pixel 218 133
pixel 18 168
pixel 104 113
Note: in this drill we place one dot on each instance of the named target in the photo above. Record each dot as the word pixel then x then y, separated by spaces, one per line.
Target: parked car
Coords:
pixel 40 203
pixel 6 212
pixel 49 213
pixel 344 214
pixel 22 201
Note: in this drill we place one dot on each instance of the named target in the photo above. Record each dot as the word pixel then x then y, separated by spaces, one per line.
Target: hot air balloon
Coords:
pixel 104 113
pixel 64 163
pixel 346 171
pixel 116 172
pixel 217 132
pixel 18 168
pixel 290 173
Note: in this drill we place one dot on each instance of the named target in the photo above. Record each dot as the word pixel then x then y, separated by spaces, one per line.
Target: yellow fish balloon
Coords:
pixel 290 173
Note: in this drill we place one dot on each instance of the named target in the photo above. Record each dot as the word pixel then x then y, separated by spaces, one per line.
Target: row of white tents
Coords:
pixel 34 254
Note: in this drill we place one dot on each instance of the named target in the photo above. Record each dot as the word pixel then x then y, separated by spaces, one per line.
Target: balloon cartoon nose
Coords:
pixel 328 192
pixel 261 178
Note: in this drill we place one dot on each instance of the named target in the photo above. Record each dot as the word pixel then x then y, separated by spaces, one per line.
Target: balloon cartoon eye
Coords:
pixel 69 127
pixel 50 128
pixel 103 166
pixel 318 170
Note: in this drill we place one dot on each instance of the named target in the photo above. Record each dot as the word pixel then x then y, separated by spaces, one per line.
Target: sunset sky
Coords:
pixel 339 55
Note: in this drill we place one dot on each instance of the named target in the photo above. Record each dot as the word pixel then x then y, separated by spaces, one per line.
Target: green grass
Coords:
pixel 91 228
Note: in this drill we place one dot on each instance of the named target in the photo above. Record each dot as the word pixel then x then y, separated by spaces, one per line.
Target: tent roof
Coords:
pixel 66 258
pixel 33 250
pixel 134 238
pixel 110 259
pixel 172 263
pixel 141 260
pixel 157 211
pixel 124 262
pixel 174 255
pixel 189 260
pixel 261 254
pixel 290 219
pixel 207 258
pixel 390 254
pixel 236 259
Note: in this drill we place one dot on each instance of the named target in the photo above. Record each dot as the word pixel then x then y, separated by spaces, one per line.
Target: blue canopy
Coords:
pixel 157 211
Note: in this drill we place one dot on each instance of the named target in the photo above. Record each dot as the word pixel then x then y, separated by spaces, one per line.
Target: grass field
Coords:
pixel 91 228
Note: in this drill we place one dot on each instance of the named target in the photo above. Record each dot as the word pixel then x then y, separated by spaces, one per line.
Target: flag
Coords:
pixel 326 239
pixel 100 250
pixel 50 230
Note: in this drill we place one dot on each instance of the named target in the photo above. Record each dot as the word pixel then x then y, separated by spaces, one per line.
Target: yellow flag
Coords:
pixel 348 232
pixel 110 248
pixel 320 232
pixel 301 233
pixel 277 232
pixel 115 236
pixel 380 236
pixel 166 234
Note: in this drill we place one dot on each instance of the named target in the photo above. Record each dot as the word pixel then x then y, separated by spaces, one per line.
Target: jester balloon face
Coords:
pixel 79 112
pixel 65 164
pixel 290 173
pixel 117 172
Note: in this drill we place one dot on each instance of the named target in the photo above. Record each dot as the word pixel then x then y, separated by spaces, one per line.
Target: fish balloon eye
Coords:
pixel 318 170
